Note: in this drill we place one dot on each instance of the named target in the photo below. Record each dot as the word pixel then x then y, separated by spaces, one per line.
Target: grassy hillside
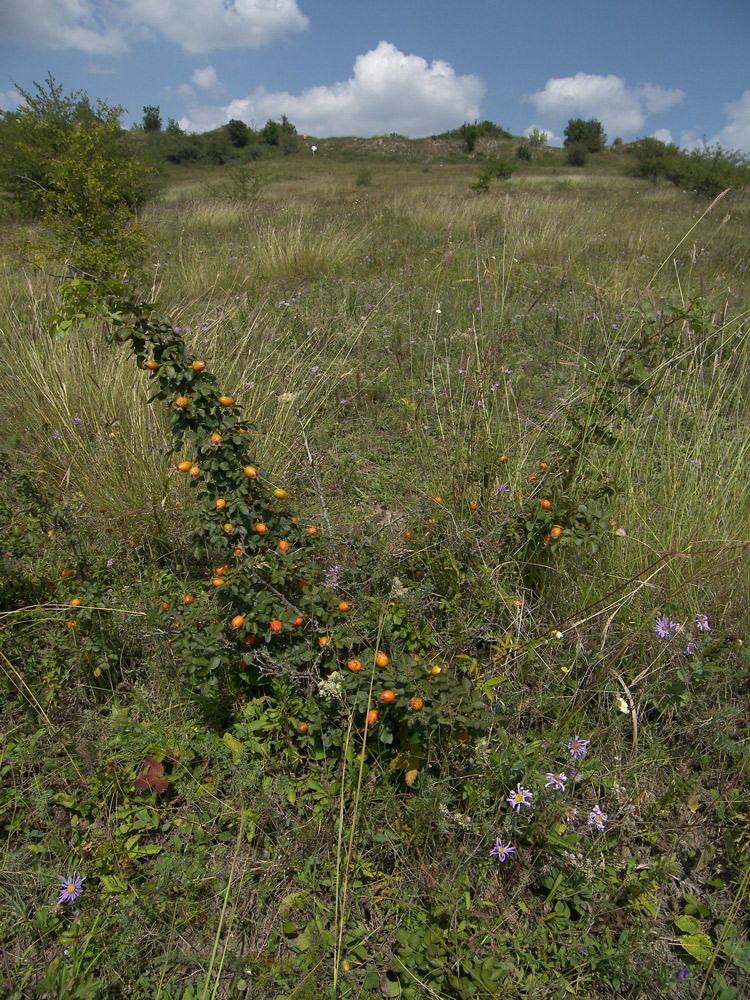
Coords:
pixel 518 423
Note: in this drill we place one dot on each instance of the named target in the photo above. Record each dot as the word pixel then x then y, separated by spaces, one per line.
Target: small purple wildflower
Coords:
pixel 701 622
pixel 71 888
pixel 503 488
pixel 521 797
pixel 597 818
pixel 578 747
pixel 110 563
pixel 692 648
pixel 682 974
pixel 666 627
pixel 503 851
pixel 331 581
pixel 77 421
pixel 556 781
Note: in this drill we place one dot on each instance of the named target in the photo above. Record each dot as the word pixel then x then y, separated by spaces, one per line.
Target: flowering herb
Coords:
pixel 71 888
pixel 597 818
pixel 578 747
pixel 701 622
pixel 556 781
pixel 332 576
pixel 666 627
pixel 503 851
pixel 521 797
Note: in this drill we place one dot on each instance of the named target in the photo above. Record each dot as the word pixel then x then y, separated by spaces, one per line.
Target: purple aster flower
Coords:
pixel 521 797
pixel 597 818
pixel 503 851
pixel 666 627
pixel 578 747
pixel 692 648
pixel 71 888
pixel 701 622
pixel 556 781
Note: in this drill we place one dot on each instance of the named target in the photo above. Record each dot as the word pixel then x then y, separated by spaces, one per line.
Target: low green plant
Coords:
pixel 493 169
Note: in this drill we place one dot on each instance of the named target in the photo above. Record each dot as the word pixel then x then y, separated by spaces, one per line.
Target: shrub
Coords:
pixel 238 132
pixel 493 168
pixel 705 172
pixel 589 134
pixel 267 603
pixel 151 118
pixel 576 155
pixel 71 165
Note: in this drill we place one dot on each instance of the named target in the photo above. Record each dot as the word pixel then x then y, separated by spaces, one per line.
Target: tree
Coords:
pixel 71 165
pixel 469 134
pixel 238 132
pixel 151 118
pixel 271 132
pixel 589 134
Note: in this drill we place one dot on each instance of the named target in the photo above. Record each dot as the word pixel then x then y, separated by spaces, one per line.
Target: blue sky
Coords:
pixel 677 69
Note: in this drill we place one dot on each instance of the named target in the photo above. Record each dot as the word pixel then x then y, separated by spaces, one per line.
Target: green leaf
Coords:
pixel 234 745
pixel 699 946
pixel 687 924
pixel 113 883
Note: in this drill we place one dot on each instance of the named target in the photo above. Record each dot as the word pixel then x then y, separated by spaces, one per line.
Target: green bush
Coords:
pixel 576 155
pixel 588 134
pixel 493 168
pixel 72 166
pixel 705 172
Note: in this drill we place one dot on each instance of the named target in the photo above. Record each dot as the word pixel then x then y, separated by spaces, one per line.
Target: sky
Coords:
pixel 674 69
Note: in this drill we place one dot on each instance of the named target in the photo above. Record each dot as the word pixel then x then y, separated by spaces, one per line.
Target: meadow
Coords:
pixel 504 438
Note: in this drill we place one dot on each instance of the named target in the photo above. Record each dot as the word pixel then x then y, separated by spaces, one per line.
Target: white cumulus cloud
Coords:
pixel 204 25
pixel 736 133
pixel 10 100
pixel 389 91
pixel 107 26
pixel 206 79
pixel 663 135
pixel 622 110
pixel 85 25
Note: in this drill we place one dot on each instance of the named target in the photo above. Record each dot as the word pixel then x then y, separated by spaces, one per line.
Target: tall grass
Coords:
pixel 423 342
